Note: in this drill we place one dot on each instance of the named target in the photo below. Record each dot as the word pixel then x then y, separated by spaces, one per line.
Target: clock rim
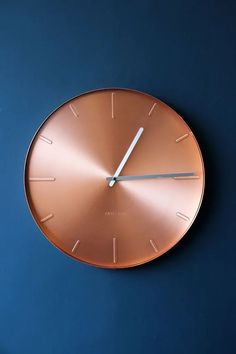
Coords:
pixel 115 266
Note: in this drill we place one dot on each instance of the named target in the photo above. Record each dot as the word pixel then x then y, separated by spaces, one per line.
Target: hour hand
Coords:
pixel 113 179
pixel 177 175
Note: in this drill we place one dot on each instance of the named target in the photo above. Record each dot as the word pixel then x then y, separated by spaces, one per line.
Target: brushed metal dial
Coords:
pixel 114 178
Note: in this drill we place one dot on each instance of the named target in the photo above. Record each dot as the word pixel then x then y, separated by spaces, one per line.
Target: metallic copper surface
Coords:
pixel 80 145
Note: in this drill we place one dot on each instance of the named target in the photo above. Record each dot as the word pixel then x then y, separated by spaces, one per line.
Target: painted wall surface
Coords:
pixel 183 52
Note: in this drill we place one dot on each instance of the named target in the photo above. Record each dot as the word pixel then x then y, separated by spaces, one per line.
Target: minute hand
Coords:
pixel 113 179
pixel 153 176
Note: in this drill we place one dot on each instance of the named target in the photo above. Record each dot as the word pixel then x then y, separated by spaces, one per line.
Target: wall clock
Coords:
pixel 114 178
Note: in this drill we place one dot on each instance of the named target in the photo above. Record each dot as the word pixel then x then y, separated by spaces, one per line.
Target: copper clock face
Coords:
pixel 114 178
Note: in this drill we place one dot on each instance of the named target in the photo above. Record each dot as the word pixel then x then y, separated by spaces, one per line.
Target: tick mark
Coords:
pixel 112 105
pixel 114 243
pixel 73 110
pixel 182 216
pixel 186 177
pixel 76 245
pixel 47 218
pixel 151 110
pixel 181 138
pixel 154 246
pixel 45 139
pixel 42 179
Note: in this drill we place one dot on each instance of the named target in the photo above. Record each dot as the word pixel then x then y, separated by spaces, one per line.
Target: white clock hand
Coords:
pixel 125 158
pixel 153 176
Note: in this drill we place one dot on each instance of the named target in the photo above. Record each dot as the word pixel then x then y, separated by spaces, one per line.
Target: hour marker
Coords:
pixel 76 245
pixel 182 216
pixel 47 218
pixel 151 110
pixel 42 179
pixel 45 139
pixel 112 105
pixel 114 243
pixel 73 111
pixel 182 138
pixel 186 177
pixel 154 246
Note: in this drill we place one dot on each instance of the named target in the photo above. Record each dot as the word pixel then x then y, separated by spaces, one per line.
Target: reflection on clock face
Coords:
pixel 114 178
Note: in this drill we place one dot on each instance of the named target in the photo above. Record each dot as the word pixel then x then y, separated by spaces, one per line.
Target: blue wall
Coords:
pixel 183 52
